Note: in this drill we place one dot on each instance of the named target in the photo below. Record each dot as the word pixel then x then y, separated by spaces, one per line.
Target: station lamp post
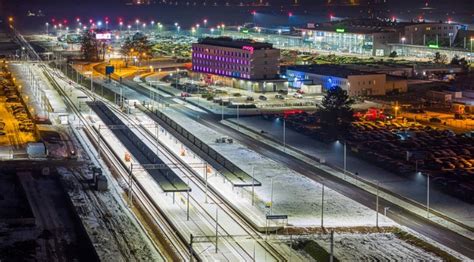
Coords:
pixel 47 28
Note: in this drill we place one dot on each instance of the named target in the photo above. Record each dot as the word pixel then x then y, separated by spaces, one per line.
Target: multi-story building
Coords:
pixel 241 58
pixel 434 34
pixel 350 38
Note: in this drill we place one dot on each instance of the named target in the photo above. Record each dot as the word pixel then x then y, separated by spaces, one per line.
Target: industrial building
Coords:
pixel 356 83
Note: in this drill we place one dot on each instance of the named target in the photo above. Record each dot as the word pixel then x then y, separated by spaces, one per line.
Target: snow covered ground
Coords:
pixel 374 247
pixel 293 194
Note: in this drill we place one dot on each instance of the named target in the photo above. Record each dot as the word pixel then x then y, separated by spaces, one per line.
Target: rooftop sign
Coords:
pixel 248 48
pixel 340 30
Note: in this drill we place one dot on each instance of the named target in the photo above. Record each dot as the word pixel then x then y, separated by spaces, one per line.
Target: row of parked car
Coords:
pixel 407 147
pixel 447 157
pixel 14 105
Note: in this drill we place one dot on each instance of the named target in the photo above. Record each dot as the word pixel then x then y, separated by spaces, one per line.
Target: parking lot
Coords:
pixel 213 95
pixel 16 126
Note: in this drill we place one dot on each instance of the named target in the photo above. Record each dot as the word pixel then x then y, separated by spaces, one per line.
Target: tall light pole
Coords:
pixel 120 26
pixel 284 134
pixel 271 200
pixel 47 28
pixel 136 23
pixel 427 195
pixel 322 206
pixel 345 159
pixel 377 206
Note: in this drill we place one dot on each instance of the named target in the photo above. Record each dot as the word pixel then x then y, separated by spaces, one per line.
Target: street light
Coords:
pixel 403 40
pixel 47 27
pixel 136 23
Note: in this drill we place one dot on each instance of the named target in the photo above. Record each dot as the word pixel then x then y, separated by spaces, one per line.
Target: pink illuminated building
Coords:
pixel 242 59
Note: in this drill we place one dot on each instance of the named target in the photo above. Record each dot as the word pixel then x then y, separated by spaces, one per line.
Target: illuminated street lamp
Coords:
pixel 120 25
pixel 47 27
pixel 204 22
pixel 129 27
pixel 106 25
pixel 212 30
pixel 403 40
pixel 136 23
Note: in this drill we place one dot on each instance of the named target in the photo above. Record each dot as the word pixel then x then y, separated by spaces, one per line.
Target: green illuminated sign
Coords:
pixel 245 31
pixel 340 30
pixel 433 46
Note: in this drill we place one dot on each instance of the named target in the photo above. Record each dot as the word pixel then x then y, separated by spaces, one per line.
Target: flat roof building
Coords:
pixel 355 82
pixel 240 58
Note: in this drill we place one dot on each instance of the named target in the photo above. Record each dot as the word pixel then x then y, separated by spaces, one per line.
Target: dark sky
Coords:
pixel 315 10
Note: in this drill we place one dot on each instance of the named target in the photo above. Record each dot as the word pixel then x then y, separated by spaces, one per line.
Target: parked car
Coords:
pixel 435 120
pixel 279 96
pixel 262 97
pixel 249 98
pixel 297 95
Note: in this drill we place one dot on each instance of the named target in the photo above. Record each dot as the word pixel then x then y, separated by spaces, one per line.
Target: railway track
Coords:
pixel 200 183
pixel 178 244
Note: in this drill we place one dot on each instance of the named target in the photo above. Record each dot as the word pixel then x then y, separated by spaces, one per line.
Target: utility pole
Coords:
pixel 253 187
pixel 345 160
pixel 187 206
pixel 377 207
pixel 322 207
pixel 130 195
pixel 284 134
pixel 271 200
pixel 331 258
pixel 427 195
pixel 205 176
pixel 190 247
pixel 98 142
pixel 217 224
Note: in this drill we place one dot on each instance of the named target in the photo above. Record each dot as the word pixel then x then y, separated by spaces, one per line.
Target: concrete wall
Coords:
pixel 367 85
pixel 397 85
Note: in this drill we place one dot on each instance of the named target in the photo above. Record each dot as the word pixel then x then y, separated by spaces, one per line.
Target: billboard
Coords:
pixel 104 36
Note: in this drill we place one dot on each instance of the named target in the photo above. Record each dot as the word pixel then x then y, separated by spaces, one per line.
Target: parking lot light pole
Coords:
pixel 238 122
pixel 345 159
pixel 377 206
pixel 284 134
pixel 322 207
pixel 271 199
pixel 427 195
pixel 222 109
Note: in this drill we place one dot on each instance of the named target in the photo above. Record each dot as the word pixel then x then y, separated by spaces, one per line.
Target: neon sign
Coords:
pixel 248 48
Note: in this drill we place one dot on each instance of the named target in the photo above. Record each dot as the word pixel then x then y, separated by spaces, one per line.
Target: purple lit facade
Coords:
pixel 241 59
